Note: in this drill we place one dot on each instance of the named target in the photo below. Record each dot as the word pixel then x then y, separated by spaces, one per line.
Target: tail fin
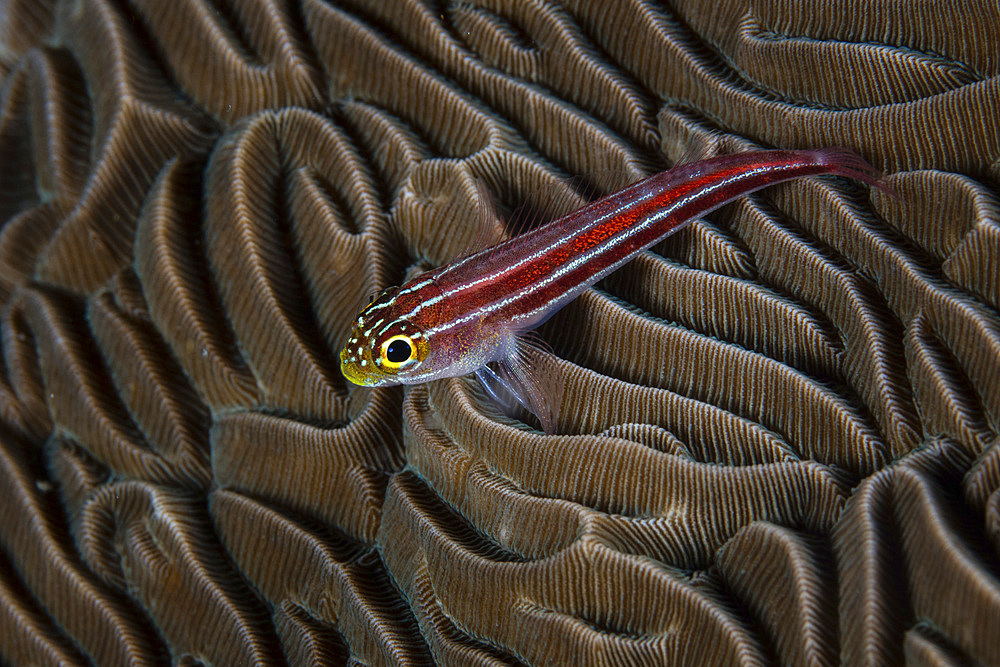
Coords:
pixel 845 162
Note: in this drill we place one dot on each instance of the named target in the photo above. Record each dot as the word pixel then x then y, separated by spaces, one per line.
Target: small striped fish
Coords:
pixel 457 319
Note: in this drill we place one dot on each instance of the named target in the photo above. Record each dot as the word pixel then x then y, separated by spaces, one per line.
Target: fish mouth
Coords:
pixel 353 375
pixel 352 371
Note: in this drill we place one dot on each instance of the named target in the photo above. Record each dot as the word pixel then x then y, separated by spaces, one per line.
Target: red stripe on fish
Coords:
pixel 456 319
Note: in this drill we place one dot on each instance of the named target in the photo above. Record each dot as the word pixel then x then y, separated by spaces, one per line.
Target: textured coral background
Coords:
pixel 780 427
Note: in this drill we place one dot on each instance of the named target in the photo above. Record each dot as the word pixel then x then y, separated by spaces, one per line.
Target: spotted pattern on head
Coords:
pixel 382 345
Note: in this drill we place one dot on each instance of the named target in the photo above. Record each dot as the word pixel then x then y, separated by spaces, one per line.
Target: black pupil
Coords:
pixel 398 351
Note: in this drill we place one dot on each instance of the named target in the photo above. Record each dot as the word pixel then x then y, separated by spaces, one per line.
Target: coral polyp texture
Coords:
pixel 777 432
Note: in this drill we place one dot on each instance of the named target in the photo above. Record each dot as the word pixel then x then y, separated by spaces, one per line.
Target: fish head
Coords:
pixel 384 347
pixel 389 342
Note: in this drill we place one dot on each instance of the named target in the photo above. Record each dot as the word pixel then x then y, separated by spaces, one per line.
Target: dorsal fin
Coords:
pixel 536 206
pixel 490 228
pixel 570 194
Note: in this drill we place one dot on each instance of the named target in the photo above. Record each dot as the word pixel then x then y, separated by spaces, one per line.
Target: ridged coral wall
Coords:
pixel 778 429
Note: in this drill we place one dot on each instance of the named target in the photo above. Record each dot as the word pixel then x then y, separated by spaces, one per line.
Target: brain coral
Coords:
pixel 778 430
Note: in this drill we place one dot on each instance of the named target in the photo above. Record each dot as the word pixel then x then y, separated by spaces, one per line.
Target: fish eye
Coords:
pixel 397 351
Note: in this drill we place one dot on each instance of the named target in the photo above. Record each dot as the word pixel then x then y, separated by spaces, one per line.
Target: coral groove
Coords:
pixel 778 431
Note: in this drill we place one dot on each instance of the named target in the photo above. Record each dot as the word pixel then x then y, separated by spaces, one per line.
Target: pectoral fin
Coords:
pixel 517 382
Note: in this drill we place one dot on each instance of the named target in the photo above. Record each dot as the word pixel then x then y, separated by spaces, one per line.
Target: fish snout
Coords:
pixel 351 371
pixel 354 359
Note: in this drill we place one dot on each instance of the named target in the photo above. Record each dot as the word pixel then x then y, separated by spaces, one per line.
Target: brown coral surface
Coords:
pixel 778 433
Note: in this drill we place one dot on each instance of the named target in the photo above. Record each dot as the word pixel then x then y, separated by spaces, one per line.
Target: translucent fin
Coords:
pixel 565 196
pixel 542 205
pixel 490 229
pixel 686 136
pixel 497 388
pixel 366 300
pixel 533 339
pixel 708 144
pixel 852 165
pixel 516 383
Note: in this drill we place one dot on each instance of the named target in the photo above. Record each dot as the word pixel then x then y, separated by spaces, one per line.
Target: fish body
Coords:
pixel 456 319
